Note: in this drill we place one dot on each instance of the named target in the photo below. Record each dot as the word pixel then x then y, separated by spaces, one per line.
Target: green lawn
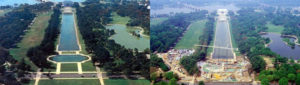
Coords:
pixel 69 67
pixel 33 37
pixel 191 37
pixel 70 82
pixel 273 28
pixel 126 82
pixel 119 19
pixel 88 66
pixel 155 21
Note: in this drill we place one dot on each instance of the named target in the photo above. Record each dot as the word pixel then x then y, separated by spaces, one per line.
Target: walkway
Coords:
pixel 216 47
pixel 38 76
pixel 99 75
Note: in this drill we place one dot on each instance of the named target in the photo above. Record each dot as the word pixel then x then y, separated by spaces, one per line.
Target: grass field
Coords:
pixel 88 66
pixel 126 82
pixel 70 82
pixel 119 19
pixel 273 28
pixel 155 21
pixel 69 67
pixel 191 37
pixel 33 37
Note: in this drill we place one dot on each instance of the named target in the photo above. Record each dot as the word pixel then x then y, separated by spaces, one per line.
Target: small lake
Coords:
pixel 68 39
pixel 124 37
pixel 278 46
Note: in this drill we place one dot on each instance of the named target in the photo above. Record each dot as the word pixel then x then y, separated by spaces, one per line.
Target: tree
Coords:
pixel 153 76
pixel 291 77
pixel 169 75
pixel 201 83
pixel 297 81
pixel 283 81
pixel 265 82
pixel 173 81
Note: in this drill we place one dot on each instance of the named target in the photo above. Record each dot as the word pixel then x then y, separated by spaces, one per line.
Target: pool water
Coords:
pixel 68 40
pixel 68 58
pixel 278 46
pixel 124 37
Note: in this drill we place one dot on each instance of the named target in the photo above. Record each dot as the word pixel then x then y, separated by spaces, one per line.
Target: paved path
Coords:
pixel 215 47
pixel 79 68
pixel 38 76
pixel 99 74
pixel 58 66
pixel 193 80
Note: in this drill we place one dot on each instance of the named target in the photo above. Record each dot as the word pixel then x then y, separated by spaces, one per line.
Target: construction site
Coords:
pixel 222 65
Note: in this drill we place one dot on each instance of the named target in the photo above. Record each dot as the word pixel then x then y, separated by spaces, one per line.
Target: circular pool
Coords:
pixel 68 58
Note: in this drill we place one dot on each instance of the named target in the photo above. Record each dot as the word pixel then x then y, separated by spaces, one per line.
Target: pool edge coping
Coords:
pixel 89 58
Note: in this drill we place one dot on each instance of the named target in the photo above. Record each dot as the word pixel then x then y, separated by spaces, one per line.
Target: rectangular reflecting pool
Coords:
pixel 68 39
pixel 222 41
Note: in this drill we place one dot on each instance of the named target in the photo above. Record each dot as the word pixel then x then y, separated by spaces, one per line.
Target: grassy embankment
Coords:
pixel 273 28
pixel 119 19
pixel 190 38
pixel 32 38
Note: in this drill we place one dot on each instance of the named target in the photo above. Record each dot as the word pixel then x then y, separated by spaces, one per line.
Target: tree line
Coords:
pixel 38 55
pixel 14 24
pixel 164 35
pixel 189 62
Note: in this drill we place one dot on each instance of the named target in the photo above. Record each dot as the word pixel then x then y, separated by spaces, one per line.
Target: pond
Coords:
pixel 68 58
pixel 124 37
pixel 68 39
pixel 278 46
